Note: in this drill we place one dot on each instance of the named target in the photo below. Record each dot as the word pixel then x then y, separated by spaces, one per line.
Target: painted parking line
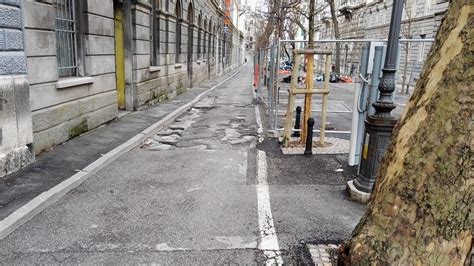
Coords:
pixel 268 242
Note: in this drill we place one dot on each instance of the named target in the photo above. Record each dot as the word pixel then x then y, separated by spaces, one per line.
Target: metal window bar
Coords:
pixel 156 38
pixel 66 37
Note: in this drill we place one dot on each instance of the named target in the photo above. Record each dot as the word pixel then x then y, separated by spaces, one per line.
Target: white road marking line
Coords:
pixel 268 241
pixel 258 118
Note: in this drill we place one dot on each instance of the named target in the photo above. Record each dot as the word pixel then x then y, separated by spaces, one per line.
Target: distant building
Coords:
pixel 67 67
pixel 370 19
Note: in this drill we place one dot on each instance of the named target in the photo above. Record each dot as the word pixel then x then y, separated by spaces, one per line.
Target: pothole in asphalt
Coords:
pixel 235 132
pixel 169 139
pixel 168 132
pixel 207 103
pixel 153 145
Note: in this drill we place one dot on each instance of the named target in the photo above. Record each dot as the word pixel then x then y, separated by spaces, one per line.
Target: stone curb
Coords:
pixel 46 199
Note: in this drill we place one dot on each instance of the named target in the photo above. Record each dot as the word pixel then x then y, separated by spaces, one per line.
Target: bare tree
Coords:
pixel 335 24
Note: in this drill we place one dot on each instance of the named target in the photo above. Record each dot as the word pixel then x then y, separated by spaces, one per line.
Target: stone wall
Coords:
pixel 12 55
pixel 15 115
pixel 64 108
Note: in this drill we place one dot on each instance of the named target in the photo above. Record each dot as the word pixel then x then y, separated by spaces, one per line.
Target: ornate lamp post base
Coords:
pixel 377 136
pixel 379 126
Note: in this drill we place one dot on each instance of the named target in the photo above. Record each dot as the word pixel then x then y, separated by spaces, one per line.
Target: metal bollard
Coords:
pixel 309 139
pixel 297 121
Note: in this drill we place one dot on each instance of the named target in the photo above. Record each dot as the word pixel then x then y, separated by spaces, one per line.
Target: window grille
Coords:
pixel 66 39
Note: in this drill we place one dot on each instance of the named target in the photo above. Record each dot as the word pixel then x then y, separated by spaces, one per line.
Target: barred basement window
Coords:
pixel 66 37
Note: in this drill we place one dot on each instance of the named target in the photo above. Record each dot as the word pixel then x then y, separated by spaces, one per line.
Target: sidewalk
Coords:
pixel 65 160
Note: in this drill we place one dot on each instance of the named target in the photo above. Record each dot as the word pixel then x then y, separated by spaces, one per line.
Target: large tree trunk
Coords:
pixel 335 23
pixel 421 208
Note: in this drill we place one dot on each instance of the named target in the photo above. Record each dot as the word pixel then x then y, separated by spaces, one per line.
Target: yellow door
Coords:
pixel 119 56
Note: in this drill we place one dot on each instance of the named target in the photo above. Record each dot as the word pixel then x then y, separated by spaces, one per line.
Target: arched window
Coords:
pixel 179 15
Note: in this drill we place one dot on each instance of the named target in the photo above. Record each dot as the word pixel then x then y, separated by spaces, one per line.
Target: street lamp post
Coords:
pixel 379 126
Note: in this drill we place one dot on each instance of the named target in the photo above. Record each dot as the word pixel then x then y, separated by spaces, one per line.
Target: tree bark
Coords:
pixel 335 22
pixel 421 208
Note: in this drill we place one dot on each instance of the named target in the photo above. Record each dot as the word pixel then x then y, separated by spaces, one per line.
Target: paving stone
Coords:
pixel 320 254
pixel 336 146
pixel 325 259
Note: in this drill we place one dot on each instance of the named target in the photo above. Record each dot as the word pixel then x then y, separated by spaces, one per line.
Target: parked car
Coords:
pixel 333 77
pixel 286 65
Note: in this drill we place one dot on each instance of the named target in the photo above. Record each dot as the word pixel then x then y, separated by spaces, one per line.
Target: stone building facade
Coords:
pixel 73 65
pixel 16 136
pixel 370 19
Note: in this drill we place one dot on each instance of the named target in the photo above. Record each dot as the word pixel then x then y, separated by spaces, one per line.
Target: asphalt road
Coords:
pixel 193 194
